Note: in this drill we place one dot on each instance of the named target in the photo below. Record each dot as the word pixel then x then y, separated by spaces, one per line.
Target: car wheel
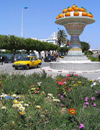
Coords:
pixel 27 67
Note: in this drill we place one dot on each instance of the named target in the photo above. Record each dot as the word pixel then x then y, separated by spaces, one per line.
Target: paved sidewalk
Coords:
pixel 7 68
pixel 88 74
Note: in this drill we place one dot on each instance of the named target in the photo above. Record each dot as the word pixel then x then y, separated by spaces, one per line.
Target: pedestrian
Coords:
pixel 1 59
pixel 99 57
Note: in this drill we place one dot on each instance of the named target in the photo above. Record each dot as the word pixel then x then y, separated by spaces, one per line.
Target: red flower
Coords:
pixel 68 75
pixel 67 78
pixel 36 91
pixel 37 88
pixel 1 85
pixel 61 83
pixel 68 89
pixel 72 111
pixel 77 75
pixel 57 81
pixel 32 85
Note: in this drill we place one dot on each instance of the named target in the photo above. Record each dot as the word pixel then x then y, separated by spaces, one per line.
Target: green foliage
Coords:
pixel 47 102
pixel 85 46
pixel 88 53
pixel 61 36
pixel 62 49
pixel 13 43
pixel 94 58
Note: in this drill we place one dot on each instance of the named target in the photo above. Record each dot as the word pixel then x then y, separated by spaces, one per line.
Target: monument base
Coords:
pixel 75 65
pixel 75 58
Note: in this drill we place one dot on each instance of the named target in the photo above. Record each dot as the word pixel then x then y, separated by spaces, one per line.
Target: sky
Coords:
pixel 39 18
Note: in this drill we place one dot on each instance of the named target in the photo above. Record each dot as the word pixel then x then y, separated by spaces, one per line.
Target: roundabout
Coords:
pixel 75 21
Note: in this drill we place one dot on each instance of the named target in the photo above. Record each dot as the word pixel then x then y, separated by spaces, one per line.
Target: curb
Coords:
pixel 68 71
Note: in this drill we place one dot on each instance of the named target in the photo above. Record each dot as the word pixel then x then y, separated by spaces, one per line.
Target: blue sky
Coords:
pixel 39 18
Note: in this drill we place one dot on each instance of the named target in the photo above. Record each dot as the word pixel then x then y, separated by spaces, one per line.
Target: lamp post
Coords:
pixel 22 21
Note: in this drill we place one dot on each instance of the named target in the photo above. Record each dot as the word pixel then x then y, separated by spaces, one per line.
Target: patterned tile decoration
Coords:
pixel 75 26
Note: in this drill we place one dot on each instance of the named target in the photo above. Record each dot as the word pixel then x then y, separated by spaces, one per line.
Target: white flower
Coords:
pixel 26 105
pixel 50 95
pixel 21 108
pixel 56 100
pixel 98 78
pixel 19 105
pixel 94 83
pixel 3 107
pixel 14 105
pixel 14 95
pixel 2 96
pixel 39 83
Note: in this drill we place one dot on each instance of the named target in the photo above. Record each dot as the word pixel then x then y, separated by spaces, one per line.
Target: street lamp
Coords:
pixel 22 21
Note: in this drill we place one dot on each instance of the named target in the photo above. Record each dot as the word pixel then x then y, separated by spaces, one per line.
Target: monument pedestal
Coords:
pixel 75 60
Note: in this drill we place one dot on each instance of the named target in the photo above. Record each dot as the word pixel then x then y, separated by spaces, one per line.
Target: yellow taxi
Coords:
pixel 27 62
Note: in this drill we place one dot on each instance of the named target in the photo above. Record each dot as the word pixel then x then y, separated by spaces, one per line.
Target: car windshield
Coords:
pixel 25 58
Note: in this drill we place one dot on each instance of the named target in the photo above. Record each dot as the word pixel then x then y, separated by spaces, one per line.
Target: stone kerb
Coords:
pixel 78 66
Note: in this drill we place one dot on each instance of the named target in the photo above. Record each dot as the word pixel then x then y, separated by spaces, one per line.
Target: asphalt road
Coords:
pixel 7 68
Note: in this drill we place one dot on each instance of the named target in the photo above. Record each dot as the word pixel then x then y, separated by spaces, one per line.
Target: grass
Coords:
pixel 40 102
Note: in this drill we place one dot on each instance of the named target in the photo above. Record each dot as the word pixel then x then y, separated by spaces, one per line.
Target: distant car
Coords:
pixel 50 58
pixel 27 62
pixel 61 55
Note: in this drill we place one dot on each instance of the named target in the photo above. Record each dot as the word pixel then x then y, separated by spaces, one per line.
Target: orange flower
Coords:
pixel 72 111
pixel 63 80
pixel 0 81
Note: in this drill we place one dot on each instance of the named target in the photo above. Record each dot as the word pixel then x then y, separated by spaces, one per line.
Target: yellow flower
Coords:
pixel 15 101
pixel 75 85
pixel 33 89
pixel 21 102
pixel 22 112
pixel 38 107
pixel 91 80
pixel 79 82
pixel 3 107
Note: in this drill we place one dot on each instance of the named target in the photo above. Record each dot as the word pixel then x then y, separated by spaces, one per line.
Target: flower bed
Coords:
pixel 40 102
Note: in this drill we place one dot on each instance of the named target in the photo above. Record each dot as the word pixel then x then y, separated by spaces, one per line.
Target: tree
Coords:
pixel 85 46
pixel 61 36
pixel 14 43
pixel 3 41
pixel 30 44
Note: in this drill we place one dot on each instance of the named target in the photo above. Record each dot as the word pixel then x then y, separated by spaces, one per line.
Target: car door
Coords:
pixel 35 61
pixel 32 61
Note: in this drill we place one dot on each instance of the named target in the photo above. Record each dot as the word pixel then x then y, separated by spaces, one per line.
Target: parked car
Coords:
pixel 61 55
pixel 27 62
pixel 50 58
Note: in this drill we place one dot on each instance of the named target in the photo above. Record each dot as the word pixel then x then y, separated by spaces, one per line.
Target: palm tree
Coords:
pixel 61 36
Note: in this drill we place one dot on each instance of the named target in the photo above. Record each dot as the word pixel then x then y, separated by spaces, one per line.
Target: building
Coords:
pixel 52 39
